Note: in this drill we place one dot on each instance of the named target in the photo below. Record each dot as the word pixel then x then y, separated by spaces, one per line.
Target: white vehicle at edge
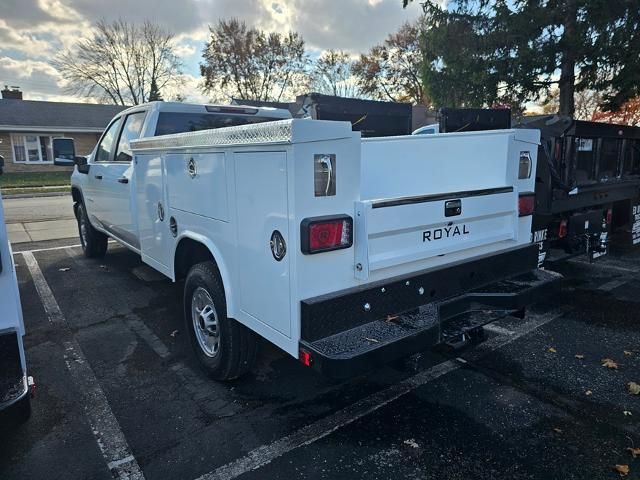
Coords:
pixel 14 385
pixel 301 232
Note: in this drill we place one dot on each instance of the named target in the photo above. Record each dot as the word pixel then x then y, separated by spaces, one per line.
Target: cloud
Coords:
pixel 33 31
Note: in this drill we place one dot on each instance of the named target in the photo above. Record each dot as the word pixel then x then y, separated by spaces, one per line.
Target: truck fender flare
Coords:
pixel 217 257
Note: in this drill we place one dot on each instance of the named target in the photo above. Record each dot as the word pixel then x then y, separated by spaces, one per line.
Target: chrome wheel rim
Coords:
pixel 205 322
pixel 83 227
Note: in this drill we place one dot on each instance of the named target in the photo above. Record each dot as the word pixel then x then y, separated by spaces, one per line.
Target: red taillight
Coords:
pixel 305 358
pixel 609 216
pixel 562 230
pixel 526 204
pixel 322 234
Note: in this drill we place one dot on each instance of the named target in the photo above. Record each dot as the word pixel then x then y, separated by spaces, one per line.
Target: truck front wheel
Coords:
pixel 224 348
pixel 94 243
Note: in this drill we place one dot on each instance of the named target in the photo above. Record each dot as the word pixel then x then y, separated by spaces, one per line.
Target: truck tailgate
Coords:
pixel 395 231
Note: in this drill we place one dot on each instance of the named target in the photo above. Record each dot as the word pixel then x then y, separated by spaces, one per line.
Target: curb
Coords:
pixel 33 195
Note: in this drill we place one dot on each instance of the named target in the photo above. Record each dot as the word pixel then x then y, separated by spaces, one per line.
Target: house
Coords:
pixel 27 128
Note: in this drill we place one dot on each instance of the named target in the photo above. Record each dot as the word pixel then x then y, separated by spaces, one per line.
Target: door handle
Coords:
pixel 123 180
pixel 98 177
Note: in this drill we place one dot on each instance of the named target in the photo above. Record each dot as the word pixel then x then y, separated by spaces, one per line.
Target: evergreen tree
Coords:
pixel 518 50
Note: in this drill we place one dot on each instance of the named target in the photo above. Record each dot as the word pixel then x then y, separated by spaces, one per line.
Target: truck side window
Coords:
pixel 103 153
pixel 131 131
pixel 177 122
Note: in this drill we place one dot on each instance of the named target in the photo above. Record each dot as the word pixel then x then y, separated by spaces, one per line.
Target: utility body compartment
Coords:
pixel 412 209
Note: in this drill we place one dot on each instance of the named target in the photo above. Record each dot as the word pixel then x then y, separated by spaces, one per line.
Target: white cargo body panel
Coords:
pixel 406 185
pixel 231 189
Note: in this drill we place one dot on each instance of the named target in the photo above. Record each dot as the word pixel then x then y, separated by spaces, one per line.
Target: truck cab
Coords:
pixel 103 182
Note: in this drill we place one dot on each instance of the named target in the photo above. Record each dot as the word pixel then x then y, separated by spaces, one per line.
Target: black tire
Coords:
pixel 94 243
pixel 16 414
pixel 236 344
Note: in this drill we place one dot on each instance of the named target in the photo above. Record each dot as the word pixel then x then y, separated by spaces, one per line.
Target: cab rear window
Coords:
pixel 174 122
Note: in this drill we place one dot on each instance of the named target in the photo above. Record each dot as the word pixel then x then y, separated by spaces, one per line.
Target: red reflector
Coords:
pixel 526 204
pixel 325 235
pixel 322 234
pixel 305 358
pixel 562 231
pixel 609 216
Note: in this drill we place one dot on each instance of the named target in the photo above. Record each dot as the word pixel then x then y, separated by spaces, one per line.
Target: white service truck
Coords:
pixel 345 253
pixel 15 398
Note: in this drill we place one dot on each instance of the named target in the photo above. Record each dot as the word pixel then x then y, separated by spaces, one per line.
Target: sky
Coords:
pixel 32 32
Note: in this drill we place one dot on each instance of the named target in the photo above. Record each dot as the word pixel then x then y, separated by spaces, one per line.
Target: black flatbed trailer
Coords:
pixel 587 185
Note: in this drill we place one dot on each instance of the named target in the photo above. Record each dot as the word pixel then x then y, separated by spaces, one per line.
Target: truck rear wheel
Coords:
pixel 224 348
pixel 94 243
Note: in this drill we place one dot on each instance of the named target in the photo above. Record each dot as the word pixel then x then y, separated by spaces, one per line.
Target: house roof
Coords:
pixel 29 115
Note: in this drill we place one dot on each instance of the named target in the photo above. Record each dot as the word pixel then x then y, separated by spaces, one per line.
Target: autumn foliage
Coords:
pixel 628 114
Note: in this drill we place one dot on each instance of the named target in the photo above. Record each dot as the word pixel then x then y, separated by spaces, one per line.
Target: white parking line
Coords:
pixel 50 249
pixel 613 284
pixel 604 264
pixel 103 423
pixel 315 431
pixel 498 329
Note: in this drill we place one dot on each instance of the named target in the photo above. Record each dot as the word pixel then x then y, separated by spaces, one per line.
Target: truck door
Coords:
pixel 94 190
pixel 117 180
pixel 121 179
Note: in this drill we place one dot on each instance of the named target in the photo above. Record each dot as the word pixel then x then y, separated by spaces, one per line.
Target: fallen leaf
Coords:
pixel 579 356
pixel 557 430
pixel 623 470
pixel 412 443
pixel 628 353
pixel 371 340
pixel 64 269
pixel 611 364
pixel 588 393
pixel 174 333
pixel 627 413
pixel 634 388
pixel 635 452
pixel 552 350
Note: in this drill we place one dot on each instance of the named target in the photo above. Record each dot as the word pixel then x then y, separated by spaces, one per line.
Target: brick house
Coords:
pixel 27 128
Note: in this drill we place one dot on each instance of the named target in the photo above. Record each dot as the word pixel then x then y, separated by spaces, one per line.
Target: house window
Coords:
pixel 32 148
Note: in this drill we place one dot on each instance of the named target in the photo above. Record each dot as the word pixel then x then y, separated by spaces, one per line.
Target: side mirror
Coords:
pixel 64 152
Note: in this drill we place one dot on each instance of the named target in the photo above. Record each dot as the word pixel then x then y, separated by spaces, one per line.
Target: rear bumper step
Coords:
pixel 384 338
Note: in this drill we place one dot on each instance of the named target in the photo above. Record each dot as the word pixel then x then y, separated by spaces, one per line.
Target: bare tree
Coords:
pixel 252 64
pixel 122 63
pixel 332 74
pixel 587 103
pixel 391 71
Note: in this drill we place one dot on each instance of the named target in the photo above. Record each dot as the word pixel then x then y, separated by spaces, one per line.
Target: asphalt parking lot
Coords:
pixel 119 396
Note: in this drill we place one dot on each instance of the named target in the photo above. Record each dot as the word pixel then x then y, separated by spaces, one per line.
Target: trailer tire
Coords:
pixel 224 348
pixel 94 243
